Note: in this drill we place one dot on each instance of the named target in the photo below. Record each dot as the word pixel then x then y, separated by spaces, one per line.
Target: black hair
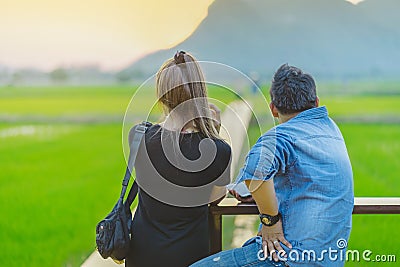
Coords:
pixel 292 90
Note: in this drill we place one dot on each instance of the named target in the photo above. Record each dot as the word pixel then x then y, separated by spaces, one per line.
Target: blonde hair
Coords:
pixel 180 79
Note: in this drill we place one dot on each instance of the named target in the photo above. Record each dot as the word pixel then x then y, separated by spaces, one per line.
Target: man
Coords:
pixel 300 177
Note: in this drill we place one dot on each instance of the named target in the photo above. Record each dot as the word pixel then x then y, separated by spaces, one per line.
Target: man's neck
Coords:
pixel 282 118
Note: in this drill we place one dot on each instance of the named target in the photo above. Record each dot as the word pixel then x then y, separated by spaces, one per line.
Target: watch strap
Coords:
pixel 269 220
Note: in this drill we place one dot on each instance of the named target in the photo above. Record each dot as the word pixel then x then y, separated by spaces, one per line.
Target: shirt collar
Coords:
pixel 313 113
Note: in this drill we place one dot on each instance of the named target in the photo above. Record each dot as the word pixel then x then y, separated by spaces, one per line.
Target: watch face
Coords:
pixel 266 220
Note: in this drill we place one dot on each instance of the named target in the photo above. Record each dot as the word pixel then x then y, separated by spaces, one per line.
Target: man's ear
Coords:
pixel 317 102
pixel 274 110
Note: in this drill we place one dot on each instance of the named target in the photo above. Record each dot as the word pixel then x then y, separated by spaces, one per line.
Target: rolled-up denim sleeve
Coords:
pixel 265 159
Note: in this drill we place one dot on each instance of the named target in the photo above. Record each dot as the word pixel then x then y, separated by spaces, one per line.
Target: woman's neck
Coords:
pixel 177 123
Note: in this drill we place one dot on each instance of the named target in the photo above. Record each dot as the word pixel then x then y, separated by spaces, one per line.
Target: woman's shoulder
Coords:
pixel 151 129
pixel 223 146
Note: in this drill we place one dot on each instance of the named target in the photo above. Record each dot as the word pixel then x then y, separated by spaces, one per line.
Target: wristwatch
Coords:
pixel 269 220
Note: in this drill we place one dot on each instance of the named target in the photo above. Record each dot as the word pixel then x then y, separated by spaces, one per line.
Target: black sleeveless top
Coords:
pixel 165 234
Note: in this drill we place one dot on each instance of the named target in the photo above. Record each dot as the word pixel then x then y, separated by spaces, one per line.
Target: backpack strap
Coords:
pixel 138 133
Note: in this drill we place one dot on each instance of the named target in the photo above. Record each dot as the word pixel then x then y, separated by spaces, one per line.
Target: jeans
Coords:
pixel 245 256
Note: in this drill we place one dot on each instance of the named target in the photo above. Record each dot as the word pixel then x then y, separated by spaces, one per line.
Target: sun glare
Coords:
pixel 355 2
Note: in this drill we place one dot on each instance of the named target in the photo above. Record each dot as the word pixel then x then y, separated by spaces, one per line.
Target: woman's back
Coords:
pixel 165 234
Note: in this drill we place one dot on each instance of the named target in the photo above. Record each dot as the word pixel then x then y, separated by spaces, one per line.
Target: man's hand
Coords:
pixel 218 193
pixel 272 237
pixel 248 199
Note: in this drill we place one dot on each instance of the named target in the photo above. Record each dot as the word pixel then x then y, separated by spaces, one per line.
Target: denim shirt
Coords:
pixel 307 158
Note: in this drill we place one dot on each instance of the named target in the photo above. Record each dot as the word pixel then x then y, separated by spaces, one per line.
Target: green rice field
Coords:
pixel 60 174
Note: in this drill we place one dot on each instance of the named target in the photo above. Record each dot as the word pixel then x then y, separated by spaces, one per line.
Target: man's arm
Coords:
pixel 263 193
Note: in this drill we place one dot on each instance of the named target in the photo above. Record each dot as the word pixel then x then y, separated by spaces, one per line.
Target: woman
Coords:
pixel 170 228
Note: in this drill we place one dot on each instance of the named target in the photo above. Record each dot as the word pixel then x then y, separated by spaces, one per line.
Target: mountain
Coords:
pixel 332 39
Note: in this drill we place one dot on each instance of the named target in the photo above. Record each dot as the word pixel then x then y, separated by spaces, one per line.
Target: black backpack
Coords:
pixel 113 233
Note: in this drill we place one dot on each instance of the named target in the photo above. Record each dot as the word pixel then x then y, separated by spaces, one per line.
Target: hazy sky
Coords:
pixel 110 33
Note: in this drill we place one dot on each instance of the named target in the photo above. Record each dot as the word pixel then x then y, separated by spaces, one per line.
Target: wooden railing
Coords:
pixel 230 206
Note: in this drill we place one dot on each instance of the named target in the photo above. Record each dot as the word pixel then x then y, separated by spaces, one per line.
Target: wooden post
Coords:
pixel 215 231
